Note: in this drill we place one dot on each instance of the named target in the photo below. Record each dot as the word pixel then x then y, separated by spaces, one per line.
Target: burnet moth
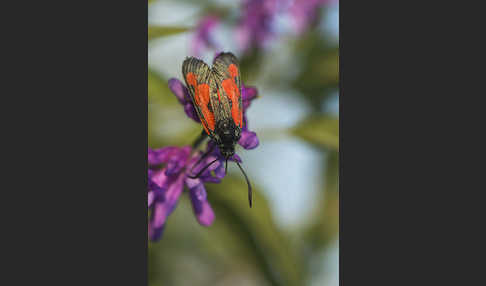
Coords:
pixel 216 96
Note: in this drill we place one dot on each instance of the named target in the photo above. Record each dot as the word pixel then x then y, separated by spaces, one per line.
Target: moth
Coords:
pixel 216 95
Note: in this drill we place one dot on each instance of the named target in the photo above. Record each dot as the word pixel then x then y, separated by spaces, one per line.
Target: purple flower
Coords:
pixel 255 26
pixel 202 36
pixel 304 13
pixel 169 171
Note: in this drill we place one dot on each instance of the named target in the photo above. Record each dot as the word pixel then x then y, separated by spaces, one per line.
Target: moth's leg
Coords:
pixel 204 169
pixel 202 158
pixel 199 139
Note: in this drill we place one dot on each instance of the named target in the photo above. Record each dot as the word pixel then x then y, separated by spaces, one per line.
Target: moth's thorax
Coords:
pixel 226 135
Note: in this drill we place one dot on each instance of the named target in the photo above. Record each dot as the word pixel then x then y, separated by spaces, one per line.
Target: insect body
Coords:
pixel 216 95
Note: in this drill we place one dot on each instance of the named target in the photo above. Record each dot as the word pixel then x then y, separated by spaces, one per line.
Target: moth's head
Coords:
pixel 227 150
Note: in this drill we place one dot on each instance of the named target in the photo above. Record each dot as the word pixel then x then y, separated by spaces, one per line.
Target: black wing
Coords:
pixel 226 74
pixel 199 81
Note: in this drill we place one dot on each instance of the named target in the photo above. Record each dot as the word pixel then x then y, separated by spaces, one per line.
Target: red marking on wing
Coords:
pixel 202 100
pixel 233 70
pixel 233 93
pixel 191 79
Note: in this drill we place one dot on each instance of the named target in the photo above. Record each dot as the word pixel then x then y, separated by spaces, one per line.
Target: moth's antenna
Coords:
pixel 247 182
pixel 204 169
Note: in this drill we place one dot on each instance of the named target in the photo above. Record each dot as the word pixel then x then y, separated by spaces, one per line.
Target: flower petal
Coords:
pixel 173 193
pixel 220 171
pixel 256 23
pixel 248 93
pixel 150 175
pixel 157 222
pixel 248 139
pixel 179 90
pixel 158 179
pixel 236 158
pixel 152 157
pixel 304 13
pixel 177 160
pixel 150 198
pixel 210 179
pixel 203 211
pixel 161 210
pixel 202 36
pixel 156 191
pixel 191 111
pixel 182 94
pixel 159 156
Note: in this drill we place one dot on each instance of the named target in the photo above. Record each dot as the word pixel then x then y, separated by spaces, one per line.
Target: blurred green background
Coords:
pixel 290 236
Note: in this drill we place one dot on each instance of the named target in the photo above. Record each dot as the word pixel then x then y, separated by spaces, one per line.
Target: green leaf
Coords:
pixel 322 131
pixel 162 31
pixel 318 76
pixel 265 244
pixel 326 69
pixel 166 113
pixel 158 88
pixel 325 229
pixel 241 242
